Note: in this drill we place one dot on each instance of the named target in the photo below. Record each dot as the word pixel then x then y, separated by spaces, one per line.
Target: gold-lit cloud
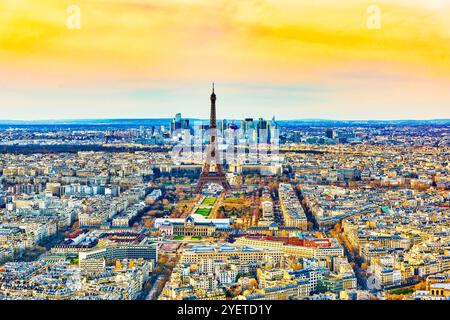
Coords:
pixel 167 36
pixel 246 41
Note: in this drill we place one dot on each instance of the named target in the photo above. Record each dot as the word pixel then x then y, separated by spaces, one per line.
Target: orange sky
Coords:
pixel 288 58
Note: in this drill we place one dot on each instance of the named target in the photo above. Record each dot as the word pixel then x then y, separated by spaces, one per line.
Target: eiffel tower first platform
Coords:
pixel 213 156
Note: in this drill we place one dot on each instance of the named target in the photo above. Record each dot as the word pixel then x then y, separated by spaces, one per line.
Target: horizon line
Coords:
pixel 206 119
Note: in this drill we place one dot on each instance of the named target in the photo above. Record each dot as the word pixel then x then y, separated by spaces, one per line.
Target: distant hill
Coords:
pixel 166 121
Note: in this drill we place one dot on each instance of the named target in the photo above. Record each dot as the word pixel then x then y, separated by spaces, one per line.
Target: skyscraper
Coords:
pixel 330 134
pixel 179 123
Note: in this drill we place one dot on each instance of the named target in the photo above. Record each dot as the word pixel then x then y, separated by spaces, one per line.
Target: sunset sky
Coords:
pixel 295 59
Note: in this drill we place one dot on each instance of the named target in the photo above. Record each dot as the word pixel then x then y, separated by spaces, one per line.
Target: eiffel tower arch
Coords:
pixel 213 156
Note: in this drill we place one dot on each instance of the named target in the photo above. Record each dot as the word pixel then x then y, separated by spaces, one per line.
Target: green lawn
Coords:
pixel 209 201
pixel 203 211
pixel 178 238
pixel 402 291
pixel 196 238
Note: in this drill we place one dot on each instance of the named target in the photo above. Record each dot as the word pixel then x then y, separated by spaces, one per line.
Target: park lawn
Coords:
pixel 196 238
pixel 402 291
pixel 203 211
pixel 209 201
pixel 178 238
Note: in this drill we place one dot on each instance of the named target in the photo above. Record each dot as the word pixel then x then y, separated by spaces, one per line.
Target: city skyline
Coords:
pixel 94 121
pixel 202 117
pixel 286 58
pixel 335 211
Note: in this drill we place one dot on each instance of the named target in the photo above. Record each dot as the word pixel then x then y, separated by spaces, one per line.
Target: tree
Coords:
pixel 420 286
pixel 148 223
pixel 162 259
pixel 338 227
pixel 75 225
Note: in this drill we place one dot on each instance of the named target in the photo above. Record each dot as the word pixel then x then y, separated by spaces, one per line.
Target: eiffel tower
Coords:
pixel 213 156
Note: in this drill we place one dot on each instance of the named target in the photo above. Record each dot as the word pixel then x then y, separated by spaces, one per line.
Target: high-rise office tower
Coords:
pixel 330 134
pixel 179 123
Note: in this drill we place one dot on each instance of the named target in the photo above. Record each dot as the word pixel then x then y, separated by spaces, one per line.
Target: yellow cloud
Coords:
pixel 270 40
